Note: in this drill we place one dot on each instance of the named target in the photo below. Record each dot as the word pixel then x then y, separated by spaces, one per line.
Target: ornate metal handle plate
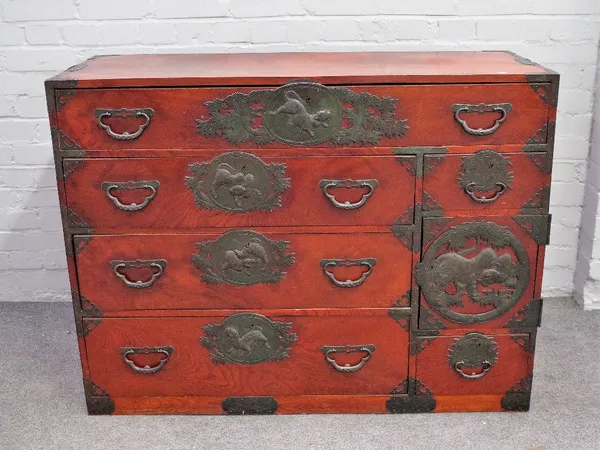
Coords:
pixel 109 186
pixel 165 351
pixel 482 108
pixel 486 366
pixel 473 351
pixel 330 350
pixel 368 262
pixel 158 264
pixel 500 188
pixel 348 184
pixel 124 113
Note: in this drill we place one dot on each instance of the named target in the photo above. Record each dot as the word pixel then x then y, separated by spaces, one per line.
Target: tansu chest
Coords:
pixel 305 233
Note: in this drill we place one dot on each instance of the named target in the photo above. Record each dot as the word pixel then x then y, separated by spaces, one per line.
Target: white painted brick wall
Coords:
pixel 41 37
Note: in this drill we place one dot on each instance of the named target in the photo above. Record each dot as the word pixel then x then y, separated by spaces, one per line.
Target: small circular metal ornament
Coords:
pixel 303 113
pixel 453 268
pixel 473 351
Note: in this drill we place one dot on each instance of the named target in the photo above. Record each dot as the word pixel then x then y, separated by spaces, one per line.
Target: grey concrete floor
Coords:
pixel 42 404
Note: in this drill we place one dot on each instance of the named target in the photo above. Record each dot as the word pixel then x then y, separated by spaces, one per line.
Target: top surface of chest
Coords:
pixel 278 68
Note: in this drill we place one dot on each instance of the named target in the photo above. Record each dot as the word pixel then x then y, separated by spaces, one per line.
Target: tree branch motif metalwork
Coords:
pixel 495 275
pixel 237 182
pixel 248 338
pixel 242 258
pixel 303 113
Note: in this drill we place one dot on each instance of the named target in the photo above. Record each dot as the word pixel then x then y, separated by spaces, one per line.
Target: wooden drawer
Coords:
pixel 485 182
pixel 474 363
pixel 249 354
pixel 479 271
pixel 238 189
pixel 242 269
pixel 302 113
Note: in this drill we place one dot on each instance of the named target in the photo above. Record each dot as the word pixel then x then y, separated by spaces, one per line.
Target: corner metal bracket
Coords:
pixel 536 226
pixel 429 321
pixel 63 96
pixel 97 399
pixel 75 220
pixel 422 402
pixel 420 152
pixel 88 309
pixel 406 228
pixel 434 226
pixel 249 405
pixel 409 163
pixel 540 199
pixel 65 142
pixel 517 398
pixel 420 343
pixel 80 243
pixel 431 204
pixel 87 326
pixel 70 166
pixel 528 317
pixel 543 161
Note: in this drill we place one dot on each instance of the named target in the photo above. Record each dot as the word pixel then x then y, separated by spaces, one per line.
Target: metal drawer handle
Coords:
pixel 124 113
pixel 501 187
pixel 473 376
pixel 482 108
pixel 158 264
pixel 126 351
pixel 348 184
pixel 329 350
pixel 368 262
pixel 109 186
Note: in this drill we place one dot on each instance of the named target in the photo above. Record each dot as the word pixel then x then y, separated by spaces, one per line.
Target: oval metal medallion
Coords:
pixel 248 338
pixel 479 262
pixel 303 113
pixel 237 182
pixel 242 258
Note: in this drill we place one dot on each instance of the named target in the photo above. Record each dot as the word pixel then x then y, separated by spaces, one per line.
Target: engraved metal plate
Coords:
pixel 302 113
pixel 249 405
pixel 479 262
pixel 248 338
pixel 237 182
pixel 473 351
pixel 242 258
pixel 483 172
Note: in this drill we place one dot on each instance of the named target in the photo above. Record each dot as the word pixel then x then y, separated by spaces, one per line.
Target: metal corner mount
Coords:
pixel 528 317
pixel 423 401
pixel 249 405
pixel 302 113
pixel 518 397
pixel 97 399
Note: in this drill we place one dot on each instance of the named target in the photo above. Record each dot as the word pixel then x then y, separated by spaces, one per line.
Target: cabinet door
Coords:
pixel 479 271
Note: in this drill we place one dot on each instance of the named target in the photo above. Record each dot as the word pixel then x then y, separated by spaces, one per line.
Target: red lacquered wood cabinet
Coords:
pixel 293 233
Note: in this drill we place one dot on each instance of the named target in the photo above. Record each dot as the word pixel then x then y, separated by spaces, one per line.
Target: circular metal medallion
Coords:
pixel 238 182
pixel 243 258
pixel 248 338
pixel 478 262
pixel 303 113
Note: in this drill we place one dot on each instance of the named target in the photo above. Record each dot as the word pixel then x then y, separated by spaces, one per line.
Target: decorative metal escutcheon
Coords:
pixel 242 258
pixel 473 355
pixel 480 262
pixel 331 350
pixel 141 113
pixel 482 108
pixel 303 113
pixel 164 351
pixel 238 182
pixel 484 172
pixel 110 186
pixel 157 264
pixel 327 264
pixel 348 184
pixel 248 338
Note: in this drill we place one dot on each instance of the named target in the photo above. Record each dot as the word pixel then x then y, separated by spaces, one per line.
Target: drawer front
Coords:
pixel 242 269
pixel 474 363
pixel 301 114
pixel 238 189
pixel 248 354
pixel 485 182
pixel 478 271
